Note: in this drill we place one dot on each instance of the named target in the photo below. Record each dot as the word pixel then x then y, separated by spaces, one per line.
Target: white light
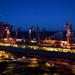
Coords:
pixel 30 31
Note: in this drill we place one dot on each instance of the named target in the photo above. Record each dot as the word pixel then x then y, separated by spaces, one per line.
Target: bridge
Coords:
pixel 34 50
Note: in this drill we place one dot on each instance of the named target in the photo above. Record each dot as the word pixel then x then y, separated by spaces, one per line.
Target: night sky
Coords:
pixel 51 14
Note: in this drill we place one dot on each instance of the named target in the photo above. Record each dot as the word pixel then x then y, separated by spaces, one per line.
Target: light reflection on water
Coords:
pixel 32 66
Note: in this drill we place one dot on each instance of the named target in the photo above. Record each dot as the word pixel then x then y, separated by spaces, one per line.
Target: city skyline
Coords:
pixel 51 14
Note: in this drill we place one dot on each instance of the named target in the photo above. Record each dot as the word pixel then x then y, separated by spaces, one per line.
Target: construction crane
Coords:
pixel 44 33
pixel 8 33
pixel 30 33
pixel 38 35
pixel 68 28
pixel 37 29
pixel 18 34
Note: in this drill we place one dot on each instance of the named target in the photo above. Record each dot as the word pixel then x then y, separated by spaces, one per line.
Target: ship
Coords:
pixel 46 47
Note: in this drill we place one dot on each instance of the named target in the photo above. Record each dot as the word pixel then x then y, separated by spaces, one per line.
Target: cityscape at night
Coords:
pixel 37 37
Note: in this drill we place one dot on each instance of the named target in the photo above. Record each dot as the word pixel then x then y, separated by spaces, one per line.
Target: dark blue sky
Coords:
pixel 51 14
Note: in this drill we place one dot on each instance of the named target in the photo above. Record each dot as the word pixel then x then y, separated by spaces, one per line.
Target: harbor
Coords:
pixel 55 46
pixel 48 55
pixel 37 37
